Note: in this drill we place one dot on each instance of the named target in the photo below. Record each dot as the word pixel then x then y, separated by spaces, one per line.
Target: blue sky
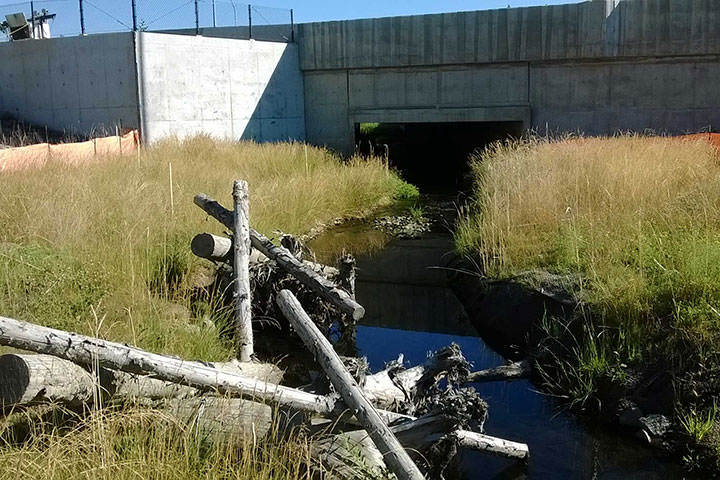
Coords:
pixel 114 15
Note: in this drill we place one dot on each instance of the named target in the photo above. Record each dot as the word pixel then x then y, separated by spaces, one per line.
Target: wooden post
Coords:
pixel 211 247
pixel 241 266
pixel 395 456
pixel 286 261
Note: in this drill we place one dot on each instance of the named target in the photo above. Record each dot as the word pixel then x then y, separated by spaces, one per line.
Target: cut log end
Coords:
pixel 14 380
pixel 211 247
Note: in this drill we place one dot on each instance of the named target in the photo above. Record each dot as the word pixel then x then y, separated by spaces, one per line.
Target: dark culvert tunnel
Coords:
pixel 433 156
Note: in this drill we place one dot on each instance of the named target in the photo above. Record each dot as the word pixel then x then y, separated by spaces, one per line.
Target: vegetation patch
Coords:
pixel 636 220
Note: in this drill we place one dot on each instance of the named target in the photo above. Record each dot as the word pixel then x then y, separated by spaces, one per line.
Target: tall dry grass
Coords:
pixel 145 444
pixel 105 247
pixel 637 219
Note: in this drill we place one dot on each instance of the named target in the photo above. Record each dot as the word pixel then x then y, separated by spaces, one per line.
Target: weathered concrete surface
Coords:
pixel 76 84
pixel 596 67
pixel 226 88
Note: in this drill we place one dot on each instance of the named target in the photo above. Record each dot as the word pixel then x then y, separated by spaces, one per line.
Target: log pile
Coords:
pixel 407 421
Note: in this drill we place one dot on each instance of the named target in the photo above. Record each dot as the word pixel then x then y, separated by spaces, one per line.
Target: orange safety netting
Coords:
pixel 713 138
pixel 35 156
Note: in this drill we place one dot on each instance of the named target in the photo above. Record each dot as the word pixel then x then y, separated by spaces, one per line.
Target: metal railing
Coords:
pixel 227 18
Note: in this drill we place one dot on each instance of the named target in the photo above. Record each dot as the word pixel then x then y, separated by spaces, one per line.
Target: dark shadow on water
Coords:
pixel 411 310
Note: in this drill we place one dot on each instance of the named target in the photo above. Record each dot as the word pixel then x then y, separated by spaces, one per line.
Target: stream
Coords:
pixel 410 309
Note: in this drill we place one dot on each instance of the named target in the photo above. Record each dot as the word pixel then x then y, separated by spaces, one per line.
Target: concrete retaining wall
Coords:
pixel 76 84
pixel 226 88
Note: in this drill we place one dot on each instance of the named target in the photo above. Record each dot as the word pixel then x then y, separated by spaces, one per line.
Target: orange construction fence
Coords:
pixel 35 156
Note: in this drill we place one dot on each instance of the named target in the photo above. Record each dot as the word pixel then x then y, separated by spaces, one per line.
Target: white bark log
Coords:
pixel 287 261
pixel 220 419
pixel 492 445
pixel 398 461
pixel 241 267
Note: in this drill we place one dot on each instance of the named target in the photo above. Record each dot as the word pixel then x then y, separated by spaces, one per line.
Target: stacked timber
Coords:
pixel 407 421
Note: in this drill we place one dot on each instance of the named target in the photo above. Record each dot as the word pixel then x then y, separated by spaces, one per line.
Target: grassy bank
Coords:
pixel 636 221
pixel 104 249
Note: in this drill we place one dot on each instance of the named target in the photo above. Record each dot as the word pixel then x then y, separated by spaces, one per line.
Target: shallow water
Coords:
pixel 411 310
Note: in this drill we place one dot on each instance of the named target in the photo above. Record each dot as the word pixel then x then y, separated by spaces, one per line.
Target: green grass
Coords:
pixel 636 220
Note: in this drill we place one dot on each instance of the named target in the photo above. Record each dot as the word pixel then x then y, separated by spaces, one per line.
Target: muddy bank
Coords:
pixel 539 316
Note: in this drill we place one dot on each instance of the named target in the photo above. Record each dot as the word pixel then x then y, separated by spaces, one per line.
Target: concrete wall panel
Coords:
pixel 224 87
pixel 76 84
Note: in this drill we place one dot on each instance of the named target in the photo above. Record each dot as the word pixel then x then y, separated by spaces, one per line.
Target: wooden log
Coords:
pixel 211 247
pixel 86 350
pixel 219 419
pixel 287 261
pixel 32 379
pixel 241 268
pixel 27 379
pixel 398 461
pixel 492 445
pixel 512 371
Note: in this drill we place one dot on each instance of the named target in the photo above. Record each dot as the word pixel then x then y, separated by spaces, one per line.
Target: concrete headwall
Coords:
pixel 227 88
pixel 597 67
pixel 74 84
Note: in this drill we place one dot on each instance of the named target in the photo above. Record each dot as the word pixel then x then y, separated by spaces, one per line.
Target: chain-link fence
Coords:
pixel 226 18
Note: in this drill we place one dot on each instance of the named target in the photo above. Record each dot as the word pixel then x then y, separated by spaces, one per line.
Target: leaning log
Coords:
pixel 511 371
pixel 398 461
pixel 286 261
pixel 86 350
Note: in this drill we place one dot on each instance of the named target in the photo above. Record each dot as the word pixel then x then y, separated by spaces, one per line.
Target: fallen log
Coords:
pixel 492 445
pixel 512 371
pixel 33 379
pixel 220 419
pixel 286 261
pixel 86 350
pixel 398 461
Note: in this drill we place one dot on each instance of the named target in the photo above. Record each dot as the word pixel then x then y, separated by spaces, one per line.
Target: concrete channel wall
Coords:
pixel 597 67
pixel 226 88
pixel 188 85
pixel 77 84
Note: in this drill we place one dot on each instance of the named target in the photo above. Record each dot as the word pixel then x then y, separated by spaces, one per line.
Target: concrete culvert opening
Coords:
pixel 433 156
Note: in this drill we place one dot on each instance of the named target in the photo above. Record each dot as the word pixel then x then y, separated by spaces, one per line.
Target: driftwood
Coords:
pixel 115 356
pixel 492 445
pixel 396 387
pixel 512 371
pixel 241 269
pixel 33 379
pixel 287 261
pixel 398 461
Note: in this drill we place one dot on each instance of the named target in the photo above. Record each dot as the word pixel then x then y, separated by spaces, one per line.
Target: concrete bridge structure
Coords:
pixel 598 67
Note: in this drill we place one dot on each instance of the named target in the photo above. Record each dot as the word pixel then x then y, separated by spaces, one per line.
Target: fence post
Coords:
pixel 82 18
pixel 134 15
pixel 292 26
pixel 249 21
pixel 197 19
pixel 241 261
pixel 214 14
